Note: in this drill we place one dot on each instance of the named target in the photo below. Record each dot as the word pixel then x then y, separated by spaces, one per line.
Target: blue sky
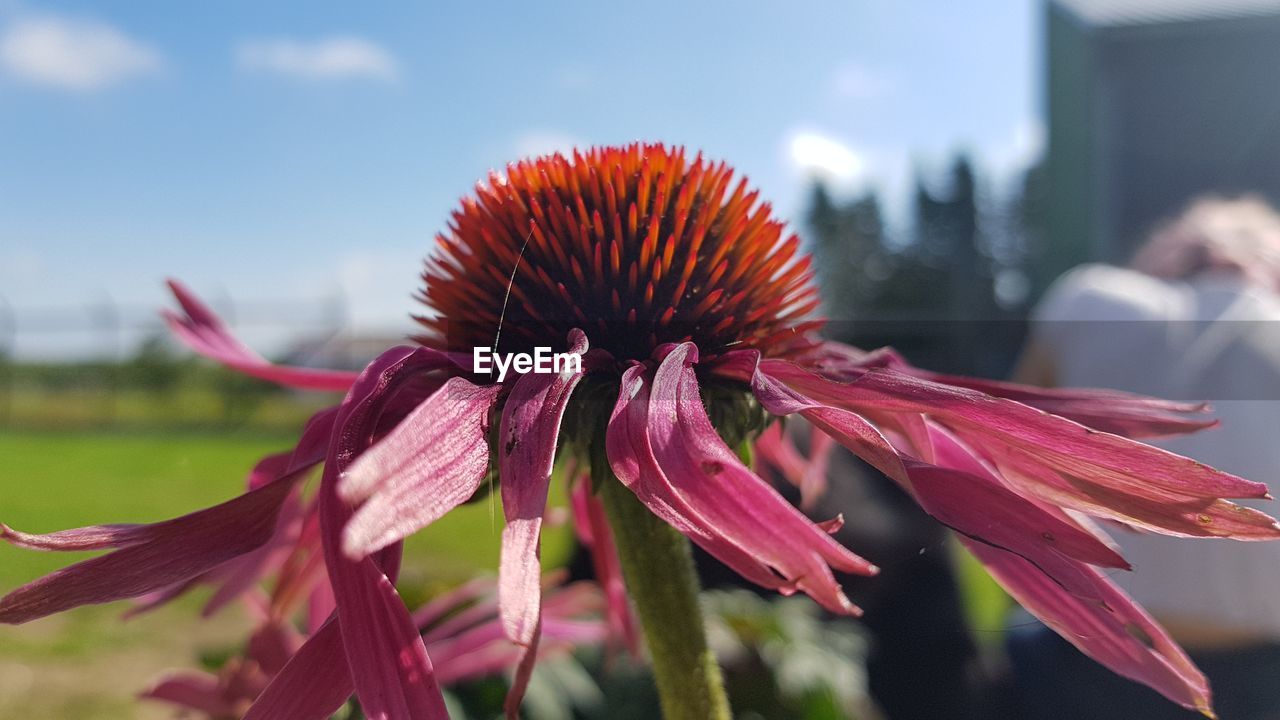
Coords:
pixel 300 149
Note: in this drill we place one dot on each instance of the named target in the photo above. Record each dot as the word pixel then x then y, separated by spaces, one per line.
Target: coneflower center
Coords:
pixel 635 245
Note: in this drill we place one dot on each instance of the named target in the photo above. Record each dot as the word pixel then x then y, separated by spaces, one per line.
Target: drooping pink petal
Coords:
pixel 775 448
pixel 632 460
pixel 272 646
pixel 482 611
pixel 93 537
pixel 393 676
pixel 447 603
pixel 150 601
pixel 1113 630
pixel 202 331
pixel 320 605
pixel 851 429
pixel 1122 413
pixel 389 665
pixel 527 441
pixel 709 475
pixel 485 651
pixel 466 638
pixel 988 513
pixel 1058 460
pixel 594 532
pixel 313 685
pixel 236 577
pixel 958 490
pixel 197 691
pixel 432 462
pixel 1058 440
pixel 951 452
pixel 157 556
pixel 1039 553
pixel 813 483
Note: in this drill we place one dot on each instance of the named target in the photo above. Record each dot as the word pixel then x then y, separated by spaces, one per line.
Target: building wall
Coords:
pixel 1142 118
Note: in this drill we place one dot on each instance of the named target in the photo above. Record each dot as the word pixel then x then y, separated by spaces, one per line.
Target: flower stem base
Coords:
pixel 657 563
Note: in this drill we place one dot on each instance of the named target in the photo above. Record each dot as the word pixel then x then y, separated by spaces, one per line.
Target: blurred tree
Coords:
pixel 154 366
pixel 848 242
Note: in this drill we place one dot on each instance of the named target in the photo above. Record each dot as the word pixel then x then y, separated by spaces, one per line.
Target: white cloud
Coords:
pixel 854 81
pixel 543 142
pixel 814 154
pixel 72 54
pixel 324 59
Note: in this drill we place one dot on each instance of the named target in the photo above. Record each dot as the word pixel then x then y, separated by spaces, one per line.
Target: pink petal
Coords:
pixel 152 600
pixel 302 574
pixel 273 645
pixel 741 505
pixel 813 484
pixel 1061 441
pixel 429 464
pixel 485 652
pixel 94 537
pixel 1113 411
pixel 313 685
pixel 851 429
pixel 1056 459
pixel 959 491
pixel 986 512
pixel 632 460
pixel 393 675
pixel 775 448
pixel 479 613
pixel 1113 630
pixel 1121 413
pixel 448 603
pixel 157 556
pixel 193 691
pixel 320 605
pixel 242 573
pixel 527 447
pixel 202 331
pixel 246 571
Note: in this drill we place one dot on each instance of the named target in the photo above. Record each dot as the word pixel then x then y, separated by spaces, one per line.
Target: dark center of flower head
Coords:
pixel 637 246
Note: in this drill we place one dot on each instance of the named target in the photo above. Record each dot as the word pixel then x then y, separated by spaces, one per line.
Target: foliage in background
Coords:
pixel 948 290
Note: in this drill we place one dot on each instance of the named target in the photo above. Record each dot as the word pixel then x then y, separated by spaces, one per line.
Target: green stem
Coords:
pixel 657 564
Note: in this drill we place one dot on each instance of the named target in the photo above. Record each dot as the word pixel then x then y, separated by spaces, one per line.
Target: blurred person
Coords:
pixel 1195 317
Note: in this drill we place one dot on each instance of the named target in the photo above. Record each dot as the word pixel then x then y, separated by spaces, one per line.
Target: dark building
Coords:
pixel 1151 103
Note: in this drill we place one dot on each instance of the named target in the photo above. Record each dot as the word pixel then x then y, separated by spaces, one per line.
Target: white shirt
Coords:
pixel 1208 339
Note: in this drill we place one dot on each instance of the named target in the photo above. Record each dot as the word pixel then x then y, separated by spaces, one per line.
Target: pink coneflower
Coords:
pixel 460 629
pixel 689 308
